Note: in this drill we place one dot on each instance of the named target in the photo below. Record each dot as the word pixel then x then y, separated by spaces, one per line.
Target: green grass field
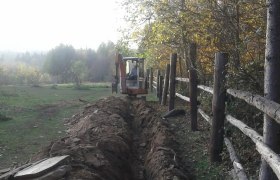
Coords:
pixel 37 116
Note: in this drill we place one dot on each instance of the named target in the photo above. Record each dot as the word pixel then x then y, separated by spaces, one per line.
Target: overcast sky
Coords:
pixel 43 24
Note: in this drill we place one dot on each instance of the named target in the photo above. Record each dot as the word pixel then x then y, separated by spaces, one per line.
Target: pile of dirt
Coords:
pixel 118 138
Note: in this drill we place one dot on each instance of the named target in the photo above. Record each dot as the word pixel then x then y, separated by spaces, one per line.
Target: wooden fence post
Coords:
pixel 271 128
pixel 193 87
pixel 151 79
pixel 160 88
pixel 165 86
pixel 147 79
pixel 158 75
pixel 218 107
pixel 172 77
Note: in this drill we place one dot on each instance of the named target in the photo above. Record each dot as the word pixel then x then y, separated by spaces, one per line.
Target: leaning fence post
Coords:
pixel 158 75
pixel 218 107
pixel 165 86
pixel 151 79
pixel 172 77
pixel 193 87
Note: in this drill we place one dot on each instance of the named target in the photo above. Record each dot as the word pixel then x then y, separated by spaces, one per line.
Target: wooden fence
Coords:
pixel 165 87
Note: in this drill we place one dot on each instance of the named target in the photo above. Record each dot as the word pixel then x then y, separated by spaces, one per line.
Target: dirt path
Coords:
pixel 119 138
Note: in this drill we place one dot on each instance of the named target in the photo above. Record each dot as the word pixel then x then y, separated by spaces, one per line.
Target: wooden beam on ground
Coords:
pixel 272 109
pixel 238 168
pixel 245 129
pixel 183 97
pixel 206 88
pixel 205 116
pixel 41 168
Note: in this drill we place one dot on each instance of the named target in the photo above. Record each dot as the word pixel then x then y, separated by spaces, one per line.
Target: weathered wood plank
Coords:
pixel 182 79
pixel 205 116
pixel 238 168
pixel 272 109
pixel 57 173
pixel 182 97
pixel 272 159
pixel 244 128
pixel 206 88
pixel 40 168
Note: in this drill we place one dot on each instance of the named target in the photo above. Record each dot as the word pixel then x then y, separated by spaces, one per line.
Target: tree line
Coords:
pixel 62 64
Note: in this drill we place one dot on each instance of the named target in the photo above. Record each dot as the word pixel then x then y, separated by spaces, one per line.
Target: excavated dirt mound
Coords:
pixel 118 139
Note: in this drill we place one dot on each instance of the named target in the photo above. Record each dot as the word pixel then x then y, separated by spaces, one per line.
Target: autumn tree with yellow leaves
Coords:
pixel 160 27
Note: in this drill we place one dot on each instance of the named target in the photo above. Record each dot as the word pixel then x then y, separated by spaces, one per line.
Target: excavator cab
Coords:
pixel 130 75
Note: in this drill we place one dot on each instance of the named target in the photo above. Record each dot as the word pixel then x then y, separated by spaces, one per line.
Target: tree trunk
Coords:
pixel 271 131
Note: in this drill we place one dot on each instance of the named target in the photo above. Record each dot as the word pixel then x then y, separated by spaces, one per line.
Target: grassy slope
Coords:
pixel 37 117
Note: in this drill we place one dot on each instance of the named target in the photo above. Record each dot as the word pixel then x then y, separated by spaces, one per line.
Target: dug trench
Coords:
pixel 118 139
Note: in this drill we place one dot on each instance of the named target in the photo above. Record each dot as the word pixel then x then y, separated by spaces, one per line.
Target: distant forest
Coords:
pixel 62 64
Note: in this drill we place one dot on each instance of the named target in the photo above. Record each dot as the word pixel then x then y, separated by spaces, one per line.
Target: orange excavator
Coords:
pixel 130 75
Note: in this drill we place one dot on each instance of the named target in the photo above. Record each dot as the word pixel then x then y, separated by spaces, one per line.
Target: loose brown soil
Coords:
pixel 122 139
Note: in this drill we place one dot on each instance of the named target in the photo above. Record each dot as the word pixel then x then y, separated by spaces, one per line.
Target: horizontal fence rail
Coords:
pixel 165 88
pixel 206 88
pixel 183 97
pixel 270 108
pixel 244 128
pixel 182 79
